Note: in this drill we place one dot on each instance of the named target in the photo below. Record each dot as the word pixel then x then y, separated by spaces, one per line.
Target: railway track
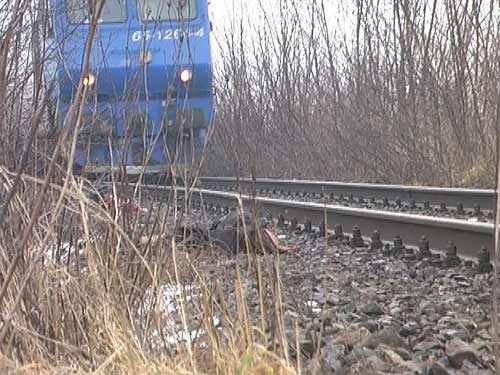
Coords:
pixel 474 200
pixel 395 231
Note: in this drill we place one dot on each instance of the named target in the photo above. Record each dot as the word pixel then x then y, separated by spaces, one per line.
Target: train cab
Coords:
pixel 149 97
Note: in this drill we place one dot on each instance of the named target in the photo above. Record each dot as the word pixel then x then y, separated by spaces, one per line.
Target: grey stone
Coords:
pixel 399 266
pixel 333 356
pixel 333 328
pixel 359 352
pixel 411 366
pixel 373 363
pixel 405 354
pixel 438 369
pixel 408 330
pixel 428 344
pixel 371 325
pixel 351 336
pixel 387 336
pixel 458 351
pixel 350 308
pixel 455 334
pixel 468 366
pixel 372 308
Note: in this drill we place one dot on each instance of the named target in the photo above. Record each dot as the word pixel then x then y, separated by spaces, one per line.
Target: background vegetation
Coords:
pixel 395 91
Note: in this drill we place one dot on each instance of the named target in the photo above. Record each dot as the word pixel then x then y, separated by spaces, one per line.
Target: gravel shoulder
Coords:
pixel 359 311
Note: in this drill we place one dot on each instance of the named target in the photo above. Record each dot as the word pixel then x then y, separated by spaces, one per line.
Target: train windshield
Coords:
pixel 112 11
pixel 166 10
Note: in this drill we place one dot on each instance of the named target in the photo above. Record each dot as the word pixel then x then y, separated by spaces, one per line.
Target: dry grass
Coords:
pixel 97 308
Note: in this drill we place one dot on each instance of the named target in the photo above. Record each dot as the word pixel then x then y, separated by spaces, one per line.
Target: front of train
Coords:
pixel 149 97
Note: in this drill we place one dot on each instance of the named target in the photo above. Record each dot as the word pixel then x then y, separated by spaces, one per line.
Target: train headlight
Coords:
pixel 89 80
pixel 186 76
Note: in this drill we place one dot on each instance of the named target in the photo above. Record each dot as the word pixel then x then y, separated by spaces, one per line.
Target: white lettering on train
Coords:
pixel 167 34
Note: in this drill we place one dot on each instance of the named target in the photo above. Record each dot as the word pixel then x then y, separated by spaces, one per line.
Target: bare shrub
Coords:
pixel 401 92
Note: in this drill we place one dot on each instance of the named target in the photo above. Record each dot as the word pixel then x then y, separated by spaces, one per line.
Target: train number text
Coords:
pixel 167 34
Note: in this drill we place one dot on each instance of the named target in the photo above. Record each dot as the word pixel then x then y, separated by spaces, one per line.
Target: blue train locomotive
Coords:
pixel 149 101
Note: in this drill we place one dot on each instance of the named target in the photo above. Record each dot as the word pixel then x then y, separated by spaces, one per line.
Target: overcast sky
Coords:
pixel 222 12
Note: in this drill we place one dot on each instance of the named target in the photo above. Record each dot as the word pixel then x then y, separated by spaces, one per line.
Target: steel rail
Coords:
pixel 483 198
pixel 469 237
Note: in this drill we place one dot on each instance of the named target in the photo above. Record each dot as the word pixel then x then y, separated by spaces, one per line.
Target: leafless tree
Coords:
pixel 401 92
